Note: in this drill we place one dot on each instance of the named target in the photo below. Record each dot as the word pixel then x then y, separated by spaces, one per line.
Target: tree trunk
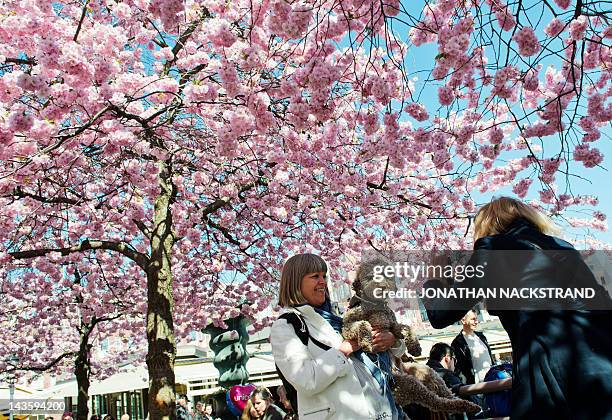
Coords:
pixel 160 327
pixel 82 370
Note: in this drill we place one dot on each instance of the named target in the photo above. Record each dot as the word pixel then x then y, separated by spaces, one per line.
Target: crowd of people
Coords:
pixel 259 406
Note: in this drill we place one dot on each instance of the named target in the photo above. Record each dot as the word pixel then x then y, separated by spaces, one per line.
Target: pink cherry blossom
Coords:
pixel 417 111
pixel 496 135
pixel 530 80
pixel 554 27
pixel 564 4
pixel 549 169
pixel 527 41
pixel 445 95
pixel 522 187
pixel 20 121
pixel 577 27
pixel 589 157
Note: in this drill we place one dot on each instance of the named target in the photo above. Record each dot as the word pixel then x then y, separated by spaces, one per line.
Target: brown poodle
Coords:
pixel 367 310
pixel 415 383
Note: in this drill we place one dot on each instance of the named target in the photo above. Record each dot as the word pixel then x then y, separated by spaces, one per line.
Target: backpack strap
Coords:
pixel 301 329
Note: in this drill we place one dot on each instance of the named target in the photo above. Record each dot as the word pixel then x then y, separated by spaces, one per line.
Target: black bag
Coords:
pixel 301 330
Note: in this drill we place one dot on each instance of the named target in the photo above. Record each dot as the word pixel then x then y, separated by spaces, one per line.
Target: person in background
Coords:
pixel 282 395
pixel 262 402
pixel 249 412
pixel 442 360
pixel 208 411
pixel 198 412
pixel 472 350
pixel 125 417
pixel 182 413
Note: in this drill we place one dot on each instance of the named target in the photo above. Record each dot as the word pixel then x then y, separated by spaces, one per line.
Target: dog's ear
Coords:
pixel 363 275
pixel 357 284
pixel 354 301
pixel 366 270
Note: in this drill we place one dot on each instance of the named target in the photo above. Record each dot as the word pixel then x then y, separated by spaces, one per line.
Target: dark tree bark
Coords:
pixel 82 371
pixel 160 327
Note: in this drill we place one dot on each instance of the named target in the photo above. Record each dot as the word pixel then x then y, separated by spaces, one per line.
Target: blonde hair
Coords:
pixel 294 270
pixel 246 413
pixel 495 217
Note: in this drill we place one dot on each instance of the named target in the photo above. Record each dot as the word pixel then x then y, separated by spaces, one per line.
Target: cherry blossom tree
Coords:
pixel 55 328
pixel 189 141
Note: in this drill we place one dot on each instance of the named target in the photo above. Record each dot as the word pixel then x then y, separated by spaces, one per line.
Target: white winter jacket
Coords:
pixel 326 381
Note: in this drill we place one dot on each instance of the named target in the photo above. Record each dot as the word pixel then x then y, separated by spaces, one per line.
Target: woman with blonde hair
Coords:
pixel 561 349
pixel 249 412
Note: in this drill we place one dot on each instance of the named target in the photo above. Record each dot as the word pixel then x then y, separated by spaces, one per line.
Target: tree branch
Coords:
pixel 26 61
pixel 143 228
pixel 180 43
pixel 225 233
pixel 96 321
pixel 120 247
pixel 42 368
pixel 19 193
pixel 83 14
pixel 578 10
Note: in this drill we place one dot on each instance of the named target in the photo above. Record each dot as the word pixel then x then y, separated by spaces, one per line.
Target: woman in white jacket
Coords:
pixel 329 374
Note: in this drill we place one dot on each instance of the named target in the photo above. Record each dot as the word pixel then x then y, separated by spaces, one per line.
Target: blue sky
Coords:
pixel 588 181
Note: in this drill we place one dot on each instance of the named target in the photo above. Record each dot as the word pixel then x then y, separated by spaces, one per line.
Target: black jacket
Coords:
pixel 273 413
pixel 450 378
pixel 562 360
pixel 464 364
pixel 453 382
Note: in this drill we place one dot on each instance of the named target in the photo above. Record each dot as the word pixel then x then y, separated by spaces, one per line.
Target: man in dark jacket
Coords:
pixel 472 350
pixel 442 360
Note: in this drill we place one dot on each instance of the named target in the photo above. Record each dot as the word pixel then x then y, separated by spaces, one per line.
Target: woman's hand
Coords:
pixel 382 340
pixel 348 346
pixel 441 260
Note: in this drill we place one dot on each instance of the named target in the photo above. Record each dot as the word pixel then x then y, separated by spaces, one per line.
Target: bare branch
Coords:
pixel 20 193
pixel 83 14
pixel 21 61
pixel 120 247
pixel 142 227
pixel 43 368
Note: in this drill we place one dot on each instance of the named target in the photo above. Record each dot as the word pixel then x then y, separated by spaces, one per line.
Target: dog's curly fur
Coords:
pixel 420 384
pixel 359 318
pixel 413 347
pixel 416 383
